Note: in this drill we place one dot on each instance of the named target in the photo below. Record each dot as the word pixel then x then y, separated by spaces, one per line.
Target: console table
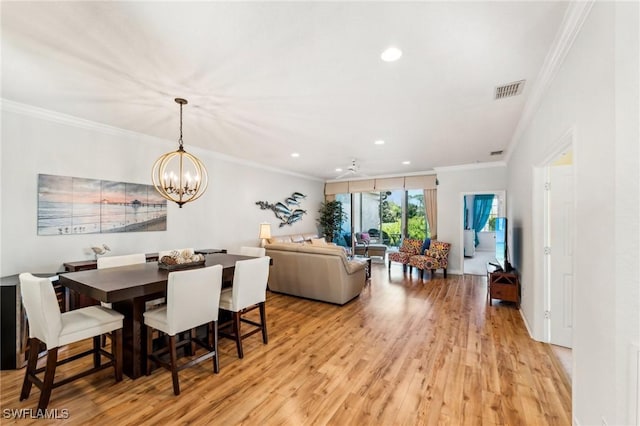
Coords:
pixel 13 320
pixel 503 285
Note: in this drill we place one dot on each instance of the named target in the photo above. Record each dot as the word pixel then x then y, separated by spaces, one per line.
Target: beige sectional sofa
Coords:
pixel 319 272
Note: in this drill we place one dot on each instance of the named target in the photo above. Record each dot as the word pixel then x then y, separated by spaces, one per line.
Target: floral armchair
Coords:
pixel 436 257
pixel 410 247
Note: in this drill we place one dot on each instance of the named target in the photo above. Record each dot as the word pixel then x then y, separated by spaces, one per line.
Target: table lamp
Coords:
pixel 265 232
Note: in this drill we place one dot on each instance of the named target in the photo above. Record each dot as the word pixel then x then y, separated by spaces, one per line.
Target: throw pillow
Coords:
pixel 318 241
pixel 339 240
pixel 425 245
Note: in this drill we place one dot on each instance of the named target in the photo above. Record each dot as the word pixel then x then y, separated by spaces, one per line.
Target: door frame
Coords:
pixel 541 234
pixel 502 211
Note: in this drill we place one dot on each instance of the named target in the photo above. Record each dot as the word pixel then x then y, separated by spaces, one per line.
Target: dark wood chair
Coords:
pixel 249 292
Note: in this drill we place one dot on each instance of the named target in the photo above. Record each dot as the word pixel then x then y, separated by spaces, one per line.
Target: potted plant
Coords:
pixel 330 220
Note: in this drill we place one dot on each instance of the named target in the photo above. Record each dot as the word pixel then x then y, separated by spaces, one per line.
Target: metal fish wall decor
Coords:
pixel 286 214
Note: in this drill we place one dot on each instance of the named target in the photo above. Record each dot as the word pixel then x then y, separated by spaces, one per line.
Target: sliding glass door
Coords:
pixel 386 216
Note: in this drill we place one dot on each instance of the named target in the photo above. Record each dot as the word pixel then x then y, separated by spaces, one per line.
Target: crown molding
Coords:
pixel 70 120
pixel 574 17
pixel 472 166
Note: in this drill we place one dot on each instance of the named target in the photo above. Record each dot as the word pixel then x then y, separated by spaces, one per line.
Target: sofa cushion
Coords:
pixel 297 238
pixel 279 239
pixel 320 272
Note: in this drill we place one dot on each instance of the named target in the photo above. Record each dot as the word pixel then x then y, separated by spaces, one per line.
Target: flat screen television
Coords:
pixel 501 244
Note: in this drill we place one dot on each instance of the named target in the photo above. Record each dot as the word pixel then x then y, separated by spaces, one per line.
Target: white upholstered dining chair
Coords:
pixel 248 293
pixel 253 251
pixel 124 260
pixel 54 329
pixel 115 261
pixel 192 300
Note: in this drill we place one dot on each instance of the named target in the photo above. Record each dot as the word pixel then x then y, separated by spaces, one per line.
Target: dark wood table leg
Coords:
pixel 134 335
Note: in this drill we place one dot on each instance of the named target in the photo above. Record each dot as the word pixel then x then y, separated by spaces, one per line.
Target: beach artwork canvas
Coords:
pixel 71 205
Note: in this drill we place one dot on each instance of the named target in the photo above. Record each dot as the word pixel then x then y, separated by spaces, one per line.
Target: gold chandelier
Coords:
pixel 179 176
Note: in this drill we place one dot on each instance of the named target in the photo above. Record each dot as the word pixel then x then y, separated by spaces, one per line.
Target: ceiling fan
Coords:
pixel 352 170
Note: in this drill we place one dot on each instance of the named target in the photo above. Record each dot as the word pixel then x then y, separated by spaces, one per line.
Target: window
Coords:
pixel 387 215
pixel 345 199
pixel 416 219
pixel 490 226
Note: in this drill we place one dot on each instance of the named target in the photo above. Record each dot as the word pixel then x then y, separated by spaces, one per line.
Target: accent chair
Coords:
pixel 435 257
pixel 409 247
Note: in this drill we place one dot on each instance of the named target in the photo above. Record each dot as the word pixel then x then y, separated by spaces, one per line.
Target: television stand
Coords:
pixel 503 285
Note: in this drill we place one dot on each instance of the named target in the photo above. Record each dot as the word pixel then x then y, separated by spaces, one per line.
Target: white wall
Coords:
pixel 595 93
pixel 36 141
pixel 453 182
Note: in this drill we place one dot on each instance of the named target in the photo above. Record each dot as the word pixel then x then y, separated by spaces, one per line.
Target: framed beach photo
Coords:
pixel 71 205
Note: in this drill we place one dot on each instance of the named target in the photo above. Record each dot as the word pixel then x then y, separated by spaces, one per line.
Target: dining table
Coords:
pixel 128 289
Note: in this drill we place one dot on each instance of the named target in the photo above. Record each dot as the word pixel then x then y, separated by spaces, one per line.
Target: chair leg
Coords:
pixel 433 272
pixel 31 368
pixel 174 359
pixel 49 373
pixel 236 332
pixel 214 344
pixel 445 272
pixel 97 344
pixel 116 350
pixel 192 345
pixel 263 320
pixel 149 349
pixel 389 265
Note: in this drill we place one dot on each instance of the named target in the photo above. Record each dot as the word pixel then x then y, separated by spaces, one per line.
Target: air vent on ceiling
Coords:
pixel 510 89
pixel 496 152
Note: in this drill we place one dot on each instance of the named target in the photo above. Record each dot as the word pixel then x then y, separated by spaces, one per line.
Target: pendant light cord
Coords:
pixel 180 140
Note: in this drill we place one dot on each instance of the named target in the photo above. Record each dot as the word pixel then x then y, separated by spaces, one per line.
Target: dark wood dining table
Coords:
pixel 128 288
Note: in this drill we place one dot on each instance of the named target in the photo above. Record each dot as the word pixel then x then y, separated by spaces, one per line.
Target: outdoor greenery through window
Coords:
pixel 386 216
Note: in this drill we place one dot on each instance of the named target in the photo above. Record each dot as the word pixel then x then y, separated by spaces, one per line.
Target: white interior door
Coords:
pixel 561 238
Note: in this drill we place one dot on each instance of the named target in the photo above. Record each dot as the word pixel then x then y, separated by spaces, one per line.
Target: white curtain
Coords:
pixel 431 211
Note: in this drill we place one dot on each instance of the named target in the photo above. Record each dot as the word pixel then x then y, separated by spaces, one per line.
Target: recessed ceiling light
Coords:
pixel 338 169
pixel 295 155
pixel 391 54
pixel 379 142
pixel 406 162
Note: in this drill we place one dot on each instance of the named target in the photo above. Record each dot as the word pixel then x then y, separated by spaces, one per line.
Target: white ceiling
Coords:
pixel 265 79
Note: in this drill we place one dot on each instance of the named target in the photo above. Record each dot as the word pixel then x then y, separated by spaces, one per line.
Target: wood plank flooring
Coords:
pixel 406 352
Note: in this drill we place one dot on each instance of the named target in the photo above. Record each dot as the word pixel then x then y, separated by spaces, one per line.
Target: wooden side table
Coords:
pixel 503 286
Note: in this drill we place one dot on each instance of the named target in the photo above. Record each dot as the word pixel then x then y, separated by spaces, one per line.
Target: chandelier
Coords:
pixel 179 176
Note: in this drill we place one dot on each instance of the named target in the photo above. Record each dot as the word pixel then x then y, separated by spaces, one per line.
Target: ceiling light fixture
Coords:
pixel 391 54
pixel 406 162
pixel 379 142
pixel 295 155
pixel 338 169
pixel 179 176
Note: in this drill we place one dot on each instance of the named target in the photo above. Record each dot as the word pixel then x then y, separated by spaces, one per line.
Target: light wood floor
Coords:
pixel 404 352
